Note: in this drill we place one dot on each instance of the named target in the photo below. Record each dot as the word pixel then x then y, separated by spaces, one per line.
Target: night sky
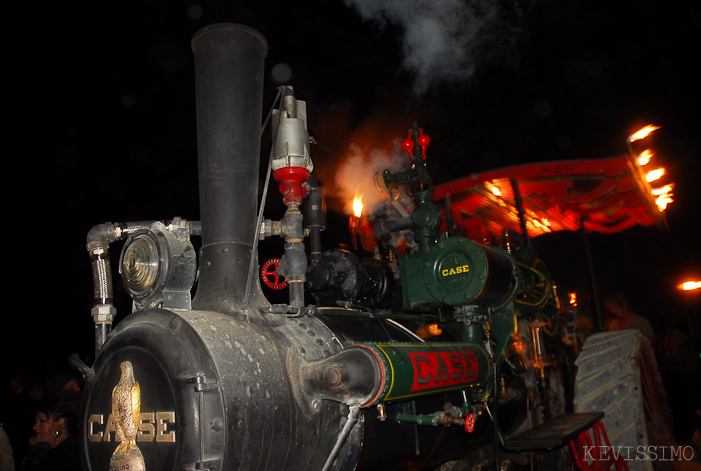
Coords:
pixel 102 123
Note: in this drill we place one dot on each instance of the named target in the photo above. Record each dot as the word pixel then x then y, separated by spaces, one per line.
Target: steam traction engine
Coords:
pixel 396 365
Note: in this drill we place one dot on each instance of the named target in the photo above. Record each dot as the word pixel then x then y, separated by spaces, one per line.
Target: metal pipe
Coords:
pixel 99 239
pixel 385 227
pixel 314 210
pixel 103 311
pixel 592 276
pixel 521 213
pixel 259 222
pixel 294 260
pixel 352 419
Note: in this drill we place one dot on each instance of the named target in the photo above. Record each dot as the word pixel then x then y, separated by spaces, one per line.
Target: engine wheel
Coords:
pixel 614 372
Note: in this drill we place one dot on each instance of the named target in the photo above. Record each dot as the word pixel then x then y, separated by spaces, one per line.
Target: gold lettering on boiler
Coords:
pixel 153 426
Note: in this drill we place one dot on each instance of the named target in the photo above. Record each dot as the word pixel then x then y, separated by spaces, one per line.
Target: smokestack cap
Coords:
pixel 226 27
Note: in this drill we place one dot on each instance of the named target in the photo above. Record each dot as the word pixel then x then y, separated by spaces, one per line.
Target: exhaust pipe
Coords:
pixel 229 68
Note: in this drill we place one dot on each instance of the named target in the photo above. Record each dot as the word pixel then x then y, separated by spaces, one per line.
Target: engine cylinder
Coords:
pixel 456 272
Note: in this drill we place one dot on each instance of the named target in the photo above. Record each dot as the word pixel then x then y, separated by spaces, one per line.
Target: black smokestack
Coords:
pixel 229 68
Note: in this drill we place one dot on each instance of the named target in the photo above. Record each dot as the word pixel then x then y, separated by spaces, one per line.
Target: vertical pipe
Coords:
pixel 521 213
pixel 592 278
pixel 103 311
pixel 229 67
pixel 450 224
pixel 314 210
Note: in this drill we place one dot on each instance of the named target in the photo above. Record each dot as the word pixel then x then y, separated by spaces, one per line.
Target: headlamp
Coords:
pixel 158 267
pixel 140 264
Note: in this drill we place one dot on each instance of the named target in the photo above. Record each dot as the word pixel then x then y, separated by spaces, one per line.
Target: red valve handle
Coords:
pixel 408 145
pixel 268 274
pixel 423 140
pixel 470 420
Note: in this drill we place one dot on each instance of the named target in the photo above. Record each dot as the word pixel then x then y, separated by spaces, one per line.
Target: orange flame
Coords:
pixel 434 330
pixel 642 133
pixel 690 285
pixel 662 201
pixel 663 190
pixel 519 345
pixel 664 196
pixel 656 174
pixel 645 157
pixel 573 299
pixel 358 206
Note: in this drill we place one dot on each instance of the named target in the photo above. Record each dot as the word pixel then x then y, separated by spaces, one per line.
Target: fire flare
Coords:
pixel 642 133
pixel 663 201
pixel 690 285
pixel 645 157
pixel 664 196
pixel 656 174
pixel 358 206
pixel 663 190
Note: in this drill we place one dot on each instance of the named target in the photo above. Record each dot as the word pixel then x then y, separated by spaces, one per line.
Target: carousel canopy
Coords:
pixel 604 195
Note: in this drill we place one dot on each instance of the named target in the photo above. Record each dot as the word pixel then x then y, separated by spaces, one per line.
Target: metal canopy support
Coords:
pixel 521 213
pixel 592 278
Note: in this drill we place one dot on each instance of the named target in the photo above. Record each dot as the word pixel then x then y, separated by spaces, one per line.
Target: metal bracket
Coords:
pixel 201 383
pixel 209 465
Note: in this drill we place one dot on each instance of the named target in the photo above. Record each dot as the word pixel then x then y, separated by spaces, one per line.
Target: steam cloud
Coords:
pixel 356 175
pixel 443 41
pixel 447 40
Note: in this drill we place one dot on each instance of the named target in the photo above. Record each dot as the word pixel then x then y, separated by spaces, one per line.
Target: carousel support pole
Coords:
pixel 521 213
pixel 598 324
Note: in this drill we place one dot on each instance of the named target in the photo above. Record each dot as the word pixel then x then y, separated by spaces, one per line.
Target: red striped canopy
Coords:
pixel 606 195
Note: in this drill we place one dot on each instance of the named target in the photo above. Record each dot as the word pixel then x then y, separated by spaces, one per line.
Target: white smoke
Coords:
pixel 447 40
pixel 356 175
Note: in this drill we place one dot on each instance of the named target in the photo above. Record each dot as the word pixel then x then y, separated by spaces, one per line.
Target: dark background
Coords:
pixel 102 126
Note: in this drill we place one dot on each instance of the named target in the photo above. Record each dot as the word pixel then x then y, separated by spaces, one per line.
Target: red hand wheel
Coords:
pixel 470 420
pixel 268 273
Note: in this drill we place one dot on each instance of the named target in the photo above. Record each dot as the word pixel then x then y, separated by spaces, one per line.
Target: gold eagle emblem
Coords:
pixel 126 407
